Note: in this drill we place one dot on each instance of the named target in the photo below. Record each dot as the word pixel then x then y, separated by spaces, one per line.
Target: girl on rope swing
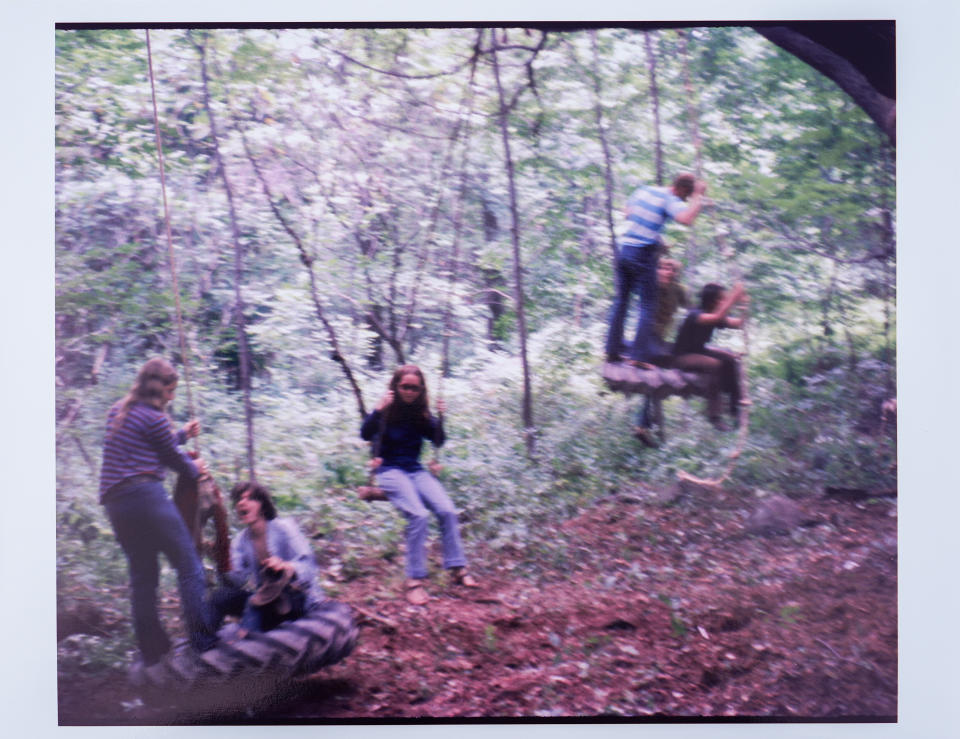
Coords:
pixel 398 425
pixel 690 350
pixel 139 444
pixel 274 555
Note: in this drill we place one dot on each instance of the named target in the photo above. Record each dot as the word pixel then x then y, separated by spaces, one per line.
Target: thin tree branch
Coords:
pixel 237 256
pixel 307 260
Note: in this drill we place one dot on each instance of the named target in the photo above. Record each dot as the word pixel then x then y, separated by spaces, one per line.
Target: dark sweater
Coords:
pixel 403 439
pixel 143 445
pixel 692 337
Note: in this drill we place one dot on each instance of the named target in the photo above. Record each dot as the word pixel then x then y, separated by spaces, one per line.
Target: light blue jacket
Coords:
pixel 284 540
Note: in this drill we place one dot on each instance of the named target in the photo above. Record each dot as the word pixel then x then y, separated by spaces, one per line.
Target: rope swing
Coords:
pixel 371 491
pixel 744 416
pixel 197 500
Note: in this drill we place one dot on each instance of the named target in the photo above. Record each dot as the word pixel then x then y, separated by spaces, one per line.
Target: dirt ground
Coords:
pixel 655 607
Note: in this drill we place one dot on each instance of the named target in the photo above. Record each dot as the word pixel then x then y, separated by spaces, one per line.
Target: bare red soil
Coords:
pixel 648 611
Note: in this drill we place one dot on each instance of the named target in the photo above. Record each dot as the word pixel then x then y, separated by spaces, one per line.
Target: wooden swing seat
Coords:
pixel 658 382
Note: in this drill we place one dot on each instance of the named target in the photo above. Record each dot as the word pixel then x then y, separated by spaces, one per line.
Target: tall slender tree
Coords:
pixel 238 274
pixel 604 145
pixel 655 106
pixel 503 116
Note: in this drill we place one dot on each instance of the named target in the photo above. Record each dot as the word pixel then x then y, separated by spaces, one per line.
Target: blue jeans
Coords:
pixel 636 272
pixel 146 523
pixel 413 493
pixel 234 601
pixel 662 357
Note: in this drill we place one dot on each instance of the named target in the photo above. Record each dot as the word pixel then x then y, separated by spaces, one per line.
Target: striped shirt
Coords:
pixel 143 445
pixel 648 209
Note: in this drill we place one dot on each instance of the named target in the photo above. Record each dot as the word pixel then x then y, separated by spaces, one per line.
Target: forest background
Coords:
pixel 821 277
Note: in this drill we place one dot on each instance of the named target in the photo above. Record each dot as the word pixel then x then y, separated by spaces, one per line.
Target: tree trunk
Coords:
pixel 237 263
pixel 493 280
pixel 655 102
pixel 307 260
pixel 607 159
pixel 518 294
pixel 880 108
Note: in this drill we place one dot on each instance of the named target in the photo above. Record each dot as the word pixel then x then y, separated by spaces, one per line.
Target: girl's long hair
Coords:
pixel 710 296
pixel 154 377
pixel 419 408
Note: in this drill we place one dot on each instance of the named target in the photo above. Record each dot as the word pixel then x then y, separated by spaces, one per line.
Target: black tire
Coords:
pixel 325 636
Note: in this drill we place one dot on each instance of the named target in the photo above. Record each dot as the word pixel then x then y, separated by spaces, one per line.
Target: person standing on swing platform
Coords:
pixel 647 212
pixel 139 444
pixel 399 424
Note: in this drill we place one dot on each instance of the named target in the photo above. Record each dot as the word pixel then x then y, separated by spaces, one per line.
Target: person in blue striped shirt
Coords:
pixel 139 444
pixel 647 212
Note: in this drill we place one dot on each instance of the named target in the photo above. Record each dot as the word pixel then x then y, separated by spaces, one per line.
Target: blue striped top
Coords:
pixel 648 209
pixel 143 445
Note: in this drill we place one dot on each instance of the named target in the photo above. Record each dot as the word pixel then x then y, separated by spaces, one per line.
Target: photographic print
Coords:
pixel 462 372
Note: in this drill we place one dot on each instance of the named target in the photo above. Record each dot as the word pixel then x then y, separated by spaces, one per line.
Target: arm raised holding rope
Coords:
pixel 692 353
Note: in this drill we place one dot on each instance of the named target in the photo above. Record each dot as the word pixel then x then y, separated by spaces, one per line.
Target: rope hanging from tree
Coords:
pixel 197 500
pixel 744 415
pixel 371 491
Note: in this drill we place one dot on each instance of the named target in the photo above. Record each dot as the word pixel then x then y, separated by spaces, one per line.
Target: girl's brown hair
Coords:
pixel 155 376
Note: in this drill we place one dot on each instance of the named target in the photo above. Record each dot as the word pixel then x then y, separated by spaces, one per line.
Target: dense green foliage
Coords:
pixel 370 161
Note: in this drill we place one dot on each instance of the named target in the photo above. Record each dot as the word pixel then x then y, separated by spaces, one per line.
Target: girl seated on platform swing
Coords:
pixel 399 424
pixel 690 350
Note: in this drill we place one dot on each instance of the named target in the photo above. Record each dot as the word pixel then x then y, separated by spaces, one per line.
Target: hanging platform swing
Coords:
pixel 656 383
pixel 259 662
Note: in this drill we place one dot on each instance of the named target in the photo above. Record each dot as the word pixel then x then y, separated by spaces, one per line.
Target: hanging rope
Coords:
pixel 744 415
pixel 171 258
pixel 454 268
pixel 197 500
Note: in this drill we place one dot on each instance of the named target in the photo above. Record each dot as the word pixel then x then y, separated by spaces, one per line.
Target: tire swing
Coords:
pixel 237 670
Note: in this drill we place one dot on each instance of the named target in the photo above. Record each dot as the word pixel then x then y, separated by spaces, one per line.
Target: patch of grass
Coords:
pixel 596 642
pixel 490 638
pixel 789 614
pixel 677 625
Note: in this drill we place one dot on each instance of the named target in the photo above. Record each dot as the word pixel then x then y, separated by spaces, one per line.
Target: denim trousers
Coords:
pixel 146 523
pixel 235 601
pixel 415 495
pixel 636 272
